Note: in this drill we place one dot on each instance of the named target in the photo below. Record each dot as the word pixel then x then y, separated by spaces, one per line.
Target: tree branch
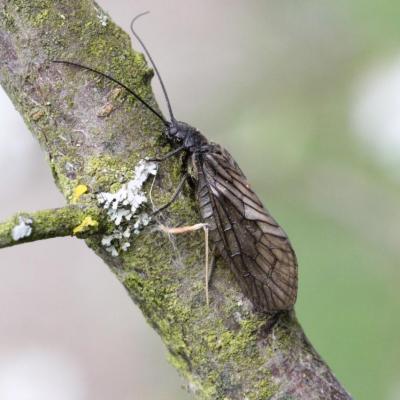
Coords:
pixel 94 136
pixel 47 224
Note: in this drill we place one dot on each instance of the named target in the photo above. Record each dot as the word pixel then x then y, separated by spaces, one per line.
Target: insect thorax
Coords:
pixel 187 135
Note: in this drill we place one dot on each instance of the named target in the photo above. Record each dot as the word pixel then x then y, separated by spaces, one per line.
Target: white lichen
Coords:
pixel 103 19
pixel 23 229
pixel 124 208
pixel 102 16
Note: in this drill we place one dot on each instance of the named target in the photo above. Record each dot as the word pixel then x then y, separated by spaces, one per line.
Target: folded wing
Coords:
pixel 245 234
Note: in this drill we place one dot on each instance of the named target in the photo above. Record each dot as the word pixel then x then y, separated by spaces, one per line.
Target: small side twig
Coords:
pixel 71 220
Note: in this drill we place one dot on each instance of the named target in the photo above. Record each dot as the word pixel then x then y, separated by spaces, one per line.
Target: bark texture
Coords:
pixel 93 135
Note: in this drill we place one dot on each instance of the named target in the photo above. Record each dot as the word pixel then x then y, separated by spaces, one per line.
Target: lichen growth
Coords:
pixel 23 229
pixel 125 208
pixel 107 173
pixel 78 192
pixel 264 389
pixel 86 225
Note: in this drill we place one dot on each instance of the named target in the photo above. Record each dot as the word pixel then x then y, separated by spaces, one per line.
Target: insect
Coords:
pixel 244 234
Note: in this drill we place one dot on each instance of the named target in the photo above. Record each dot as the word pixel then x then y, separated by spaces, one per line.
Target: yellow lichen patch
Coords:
pixel 78 192
pixel 85 225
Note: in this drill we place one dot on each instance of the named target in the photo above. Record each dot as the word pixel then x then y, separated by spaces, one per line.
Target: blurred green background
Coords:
pixel 306 96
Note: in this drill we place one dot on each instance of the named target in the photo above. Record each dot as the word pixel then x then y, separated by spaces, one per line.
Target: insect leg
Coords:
pixel 192 228
pixel 212 266
pixel 168 155
pixel 174 196
pixel 207 267
pixel 182 229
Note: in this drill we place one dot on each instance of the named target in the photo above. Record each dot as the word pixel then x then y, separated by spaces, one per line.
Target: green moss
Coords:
pixel 98 47
pixel 40 17
pixel 263 390
pixel 70 102
pixel 233 344
pixel 150 280
pixel 8 19
pixel 38 13
pixel 286 332
pixel 64 183
pixel 107 172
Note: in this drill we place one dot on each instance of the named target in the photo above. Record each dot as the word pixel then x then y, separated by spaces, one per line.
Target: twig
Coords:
pixel 46 224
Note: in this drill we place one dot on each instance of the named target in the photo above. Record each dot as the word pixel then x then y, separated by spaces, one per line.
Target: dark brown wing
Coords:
pixel 246 236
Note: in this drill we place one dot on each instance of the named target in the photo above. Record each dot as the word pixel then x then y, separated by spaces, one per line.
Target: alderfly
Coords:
pixel 242 231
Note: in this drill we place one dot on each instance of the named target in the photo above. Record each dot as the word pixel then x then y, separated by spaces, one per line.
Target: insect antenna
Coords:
pixel 130 91
pixel 153 64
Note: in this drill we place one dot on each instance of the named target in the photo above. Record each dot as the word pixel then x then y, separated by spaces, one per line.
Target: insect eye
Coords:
pixel 173 131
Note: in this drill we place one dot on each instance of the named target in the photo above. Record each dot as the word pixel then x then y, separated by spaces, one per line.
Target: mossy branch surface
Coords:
pixel 46 224
pixel 94 135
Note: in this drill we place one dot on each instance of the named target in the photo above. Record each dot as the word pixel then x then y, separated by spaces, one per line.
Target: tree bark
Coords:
pixel 93 135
